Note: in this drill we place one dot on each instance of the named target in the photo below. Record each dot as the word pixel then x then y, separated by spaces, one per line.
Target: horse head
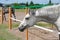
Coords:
pixel 28 21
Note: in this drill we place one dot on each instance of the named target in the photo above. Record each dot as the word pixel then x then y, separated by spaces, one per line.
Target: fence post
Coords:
pixel 27 28
pixel 1 16
pixel 10 20
pixel 59 36
pixel 52 25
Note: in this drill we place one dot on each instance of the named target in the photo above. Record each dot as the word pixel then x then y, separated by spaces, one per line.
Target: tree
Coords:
pixel 1 4
pixel 15 4
pixel 31 3
pixel 22 3
pixel 26 3
pixel 50 3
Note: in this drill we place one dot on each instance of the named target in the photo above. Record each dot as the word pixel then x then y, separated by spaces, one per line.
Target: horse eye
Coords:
pixel 27 18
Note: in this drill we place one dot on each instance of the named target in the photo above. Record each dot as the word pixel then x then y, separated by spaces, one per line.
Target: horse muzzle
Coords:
pixel 22 28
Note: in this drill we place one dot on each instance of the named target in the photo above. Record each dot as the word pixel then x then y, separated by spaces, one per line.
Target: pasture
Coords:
pixel 34 33
pixel 5 34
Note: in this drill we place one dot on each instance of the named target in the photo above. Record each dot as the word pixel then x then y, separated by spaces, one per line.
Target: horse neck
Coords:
pixel 43 17
pixel 39 19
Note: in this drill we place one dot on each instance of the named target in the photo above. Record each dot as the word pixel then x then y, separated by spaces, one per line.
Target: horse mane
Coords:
pixel 51 6
pixel 49 10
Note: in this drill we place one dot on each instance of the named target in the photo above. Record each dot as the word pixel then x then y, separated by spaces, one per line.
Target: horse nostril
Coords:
pixel 20 30
pixel 27 18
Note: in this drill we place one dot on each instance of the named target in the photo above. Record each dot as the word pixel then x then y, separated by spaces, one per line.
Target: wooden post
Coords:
pixel 26 34
pixel 27 28
pixel 59 36
pixel 52 25
pixel 1 16
pixel 10 20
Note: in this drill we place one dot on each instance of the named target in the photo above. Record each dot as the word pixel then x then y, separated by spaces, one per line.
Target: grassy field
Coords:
pixel 19 10
pixel 43 24
pixel 22 10
pixel 4 33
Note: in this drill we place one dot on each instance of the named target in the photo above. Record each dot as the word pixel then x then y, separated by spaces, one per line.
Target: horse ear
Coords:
pixel 31 12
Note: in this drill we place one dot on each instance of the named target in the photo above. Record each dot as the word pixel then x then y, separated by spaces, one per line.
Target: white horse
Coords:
pixel 50 14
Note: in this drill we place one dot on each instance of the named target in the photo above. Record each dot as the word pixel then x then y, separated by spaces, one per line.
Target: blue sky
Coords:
pixel 24 1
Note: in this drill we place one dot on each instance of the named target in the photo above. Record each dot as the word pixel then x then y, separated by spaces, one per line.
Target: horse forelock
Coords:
pixel 27 15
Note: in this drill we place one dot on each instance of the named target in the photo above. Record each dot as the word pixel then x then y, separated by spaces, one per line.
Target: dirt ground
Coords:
pixel 34 33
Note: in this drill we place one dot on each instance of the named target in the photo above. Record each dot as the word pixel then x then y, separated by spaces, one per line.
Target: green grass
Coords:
pixel 44 24
pixel 14 25
pixel 20 10
pixel 5 34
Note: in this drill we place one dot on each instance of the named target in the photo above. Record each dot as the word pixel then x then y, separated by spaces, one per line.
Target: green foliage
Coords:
pixel 15 4
pixel 36 6
pixel 22 3
pixel 50 3
pixel 26 4
pixel 31 3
